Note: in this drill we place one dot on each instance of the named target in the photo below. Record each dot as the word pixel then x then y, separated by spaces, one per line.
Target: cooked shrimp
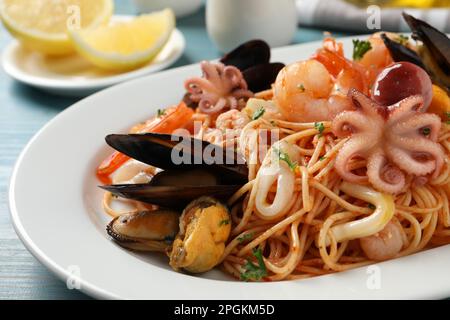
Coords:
pixel 228 127
pixel 232 120
pixel 303 92
pixel 376 59
pixel 347 74
pixel 383 245
pixel 316 89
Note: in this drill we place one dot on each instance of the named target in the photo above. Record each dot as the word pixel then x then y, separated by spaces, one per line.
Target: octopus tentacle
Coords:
pixel 415 123
pixel 363 103
pixel 405 107
pixel 383 175
pixel 349 122
pixel 416 156
pixel 353 148
pixel 198 85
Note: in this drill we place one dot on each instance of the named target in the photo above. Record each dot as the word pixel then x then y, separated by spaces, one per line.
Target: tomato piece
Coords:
pixel 172 119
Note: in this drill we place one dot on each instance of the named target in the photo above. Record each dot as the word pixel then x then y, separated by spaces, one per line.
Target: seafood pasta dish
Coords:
pixel 277 172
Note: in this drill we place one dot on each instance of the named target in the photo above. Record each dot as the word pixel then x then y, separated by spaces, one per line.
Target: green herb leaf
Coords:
pixel 447 114
pixel 402 39
pixel 319 127
pixel 426 131
pixel 245 237
pixel 258 113
pixel 283 156
pixel 301 87
pixel 161 113
pixel 371 206
pixel 224 222
pixel 322 158
pixel 252 271
pixel 360 47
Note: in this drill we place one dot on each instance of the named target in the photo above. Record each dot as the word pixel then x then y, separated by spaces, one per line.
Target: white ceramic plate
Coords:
pixel 73 75
pixel 55 206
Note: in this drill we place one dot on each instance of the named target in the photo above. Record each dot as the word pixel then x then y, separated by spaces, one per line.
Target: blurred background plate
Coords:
pixel 73 75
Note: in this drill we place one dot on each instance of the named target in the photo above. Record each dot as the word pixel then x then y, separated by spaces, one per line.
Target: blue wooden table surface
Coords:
pixel 23 111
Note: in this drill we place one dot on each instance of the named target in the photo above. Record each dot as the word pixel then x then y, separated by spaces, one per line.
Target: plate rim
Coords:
pixel 87 287
pixel 17 74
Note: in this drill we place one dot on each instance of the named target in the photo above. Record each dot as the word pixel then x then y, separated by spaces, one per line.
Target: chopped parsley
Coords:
pixel 426 131
pixel 258 113
pixel 245 237
pixel 283 156
pixel 252 271
pixel 402 39
pixel 322 158
pixel 360 47
pixel 319 127
pixel 301 87
pixel 224 222
pixel 447 114
pixel 371 206
pixel 161 113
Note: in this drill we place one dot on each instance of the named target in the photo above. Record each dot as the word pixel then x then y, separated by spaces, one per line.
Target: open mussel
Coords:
pixel 170 152
pixel 192 168
pixel 145 230
pixel 253 59
pixel 205 226
pixel 433 54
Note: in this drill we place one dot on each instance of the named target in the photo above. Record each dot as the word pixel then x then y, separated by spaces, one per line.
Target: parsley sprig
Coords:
pixel 402 39
pixel 245 237
pixel 258 113
pixel 319 127
pixel 360 47
pixel 161 113
pixel 224 222
pixel 447 114
pixel 283 156
pixel 252 271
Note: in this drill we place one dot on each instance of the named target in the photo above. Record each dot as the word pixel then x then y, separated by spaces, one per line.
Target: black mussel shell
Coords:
pixel 435 41
pixel 261 77
pixel 248 54
pixel 176 197
pixel 170 152
pixel 401 53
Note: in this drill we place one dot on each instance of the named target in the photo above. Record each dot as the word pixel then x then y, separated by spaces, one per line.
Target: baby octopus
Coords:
pixel 396 139
pixel 221 87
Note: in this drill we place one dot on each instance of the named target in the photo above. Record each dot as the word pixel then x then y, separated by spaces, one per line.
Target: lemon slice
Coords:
pixel 42 24
pixel 126 45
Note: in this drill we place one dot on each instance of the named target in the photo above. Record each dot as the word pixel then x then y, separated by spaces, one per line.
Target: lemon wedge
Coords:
pixel 125 45
pixel 42 25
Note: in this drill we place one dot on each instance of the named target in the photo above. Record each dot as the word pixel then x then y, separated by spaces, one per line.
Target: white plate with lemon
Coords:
pixel 85 49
